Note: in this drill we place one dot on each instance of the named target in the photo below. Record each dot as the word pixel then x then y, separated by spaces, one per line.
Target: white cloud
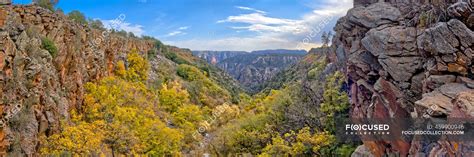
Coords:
pixel 122 25
pixel 175 33
pixel 251 9
pixel 241 44
pixel 179 31
pixel 260 22
pixel 183 28
pixel 256 18
pixel 273 32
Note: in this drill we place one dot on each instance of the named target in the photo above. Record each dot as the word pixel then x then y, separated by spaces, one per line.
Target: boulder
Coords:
pixel 468 82
pixel 358 3
pixel 452 89
pixel 436 102
pixel 391 41
pixel 464 34
pixel 401 68
pixel 457 68
pixel 440 101
pixel 470 21
pixel 435 81
pixel 464 105
pixel 438 40
pixel 374 15
pixel 460 10
pixel 362 150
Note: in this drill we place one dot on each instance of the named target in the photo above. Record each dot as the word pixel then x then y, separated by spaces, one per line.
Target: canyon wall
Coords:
pixel 37 88
pixel 252 70
pixel 215 57
pixel 406 58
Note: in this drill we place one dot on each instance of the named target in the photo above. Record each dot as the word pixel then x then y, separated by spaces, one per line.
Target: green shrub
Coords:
pixel 190 73
pixel 345 150
pixel 159 44
pixel 174 57
pixel 47 4
pixel 96 24
pixel 122 33
pixel 78 17
pixel 131 35
pixel 49 45
pixel 335 100
pixel 151 54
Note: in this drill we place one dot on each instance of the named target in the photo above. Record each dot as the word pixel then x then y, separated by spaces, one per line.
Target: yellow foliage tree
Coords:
pixel 81 139
pixel 298 144
pixel 137 69
pixel 173 96
pixel 335 101
pixel 120 113
pixel 187 118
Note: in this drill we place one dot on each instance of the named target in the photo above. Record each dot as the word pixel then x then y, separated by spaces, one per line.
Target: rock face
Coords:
pixel 215 57
pixel 401 62
pixel 38 89
pixel 253 69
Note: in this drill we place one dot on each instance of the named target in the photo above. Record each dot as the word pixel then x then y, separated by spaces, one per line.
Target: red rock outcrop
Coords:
pixel 36 89
pixel 404 57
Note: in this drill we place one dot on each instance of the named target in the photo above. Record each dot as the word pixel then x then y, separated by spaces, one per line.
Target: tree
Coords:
pixel 187 118
pixel 120 113
pixel 80 139
pixel 122 33
pixel 78 17
pixel 172 97
pixel 96 24
pixel 47 4
pixel 303 143
pixel 131 35
pixel 334 100
pixel 137 69
pixel 190 73
pixel 326 39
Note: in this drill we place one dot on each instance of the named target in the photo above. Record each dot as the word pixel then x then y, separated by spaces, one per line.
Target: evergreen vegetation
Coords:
pixel 49 45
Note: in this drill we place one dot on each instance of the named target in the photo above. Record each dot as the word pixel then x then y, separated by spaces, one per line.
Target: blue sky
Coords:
pixel 219 24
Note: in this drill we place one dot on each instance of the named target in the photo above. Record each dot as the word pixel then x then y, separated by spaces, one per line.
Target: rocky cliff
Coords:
pixel 404 58
pixel 36 88
pixel 215 57
pixel 254 69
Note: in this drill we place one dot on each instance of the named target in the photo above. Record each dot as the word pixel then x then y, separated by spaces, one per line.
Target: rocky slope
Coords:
pixel 254 69
pixel 39 88
pixel 405 58
pixel 297 72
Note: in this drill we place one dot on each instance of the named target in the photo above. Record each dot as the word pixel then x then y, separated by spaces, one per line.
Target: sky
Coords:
pixel 221 25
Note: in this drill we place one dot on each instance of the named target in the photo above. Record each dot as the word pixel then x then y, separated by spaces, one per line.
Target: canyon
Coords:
pixel 252 69
pixel 400 59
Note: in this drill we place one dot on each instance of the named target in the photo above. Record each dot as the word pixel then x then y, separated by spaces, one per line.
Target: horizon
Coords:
pixel 210 25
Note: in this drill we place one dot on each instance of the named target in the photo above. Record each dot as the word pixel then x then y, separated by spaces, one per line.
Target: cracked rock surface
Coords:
pixel 402 62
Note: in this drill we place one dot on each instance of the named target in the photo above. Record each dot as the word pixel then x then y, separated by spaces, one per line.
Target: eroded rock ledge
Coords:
pixel 404 57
